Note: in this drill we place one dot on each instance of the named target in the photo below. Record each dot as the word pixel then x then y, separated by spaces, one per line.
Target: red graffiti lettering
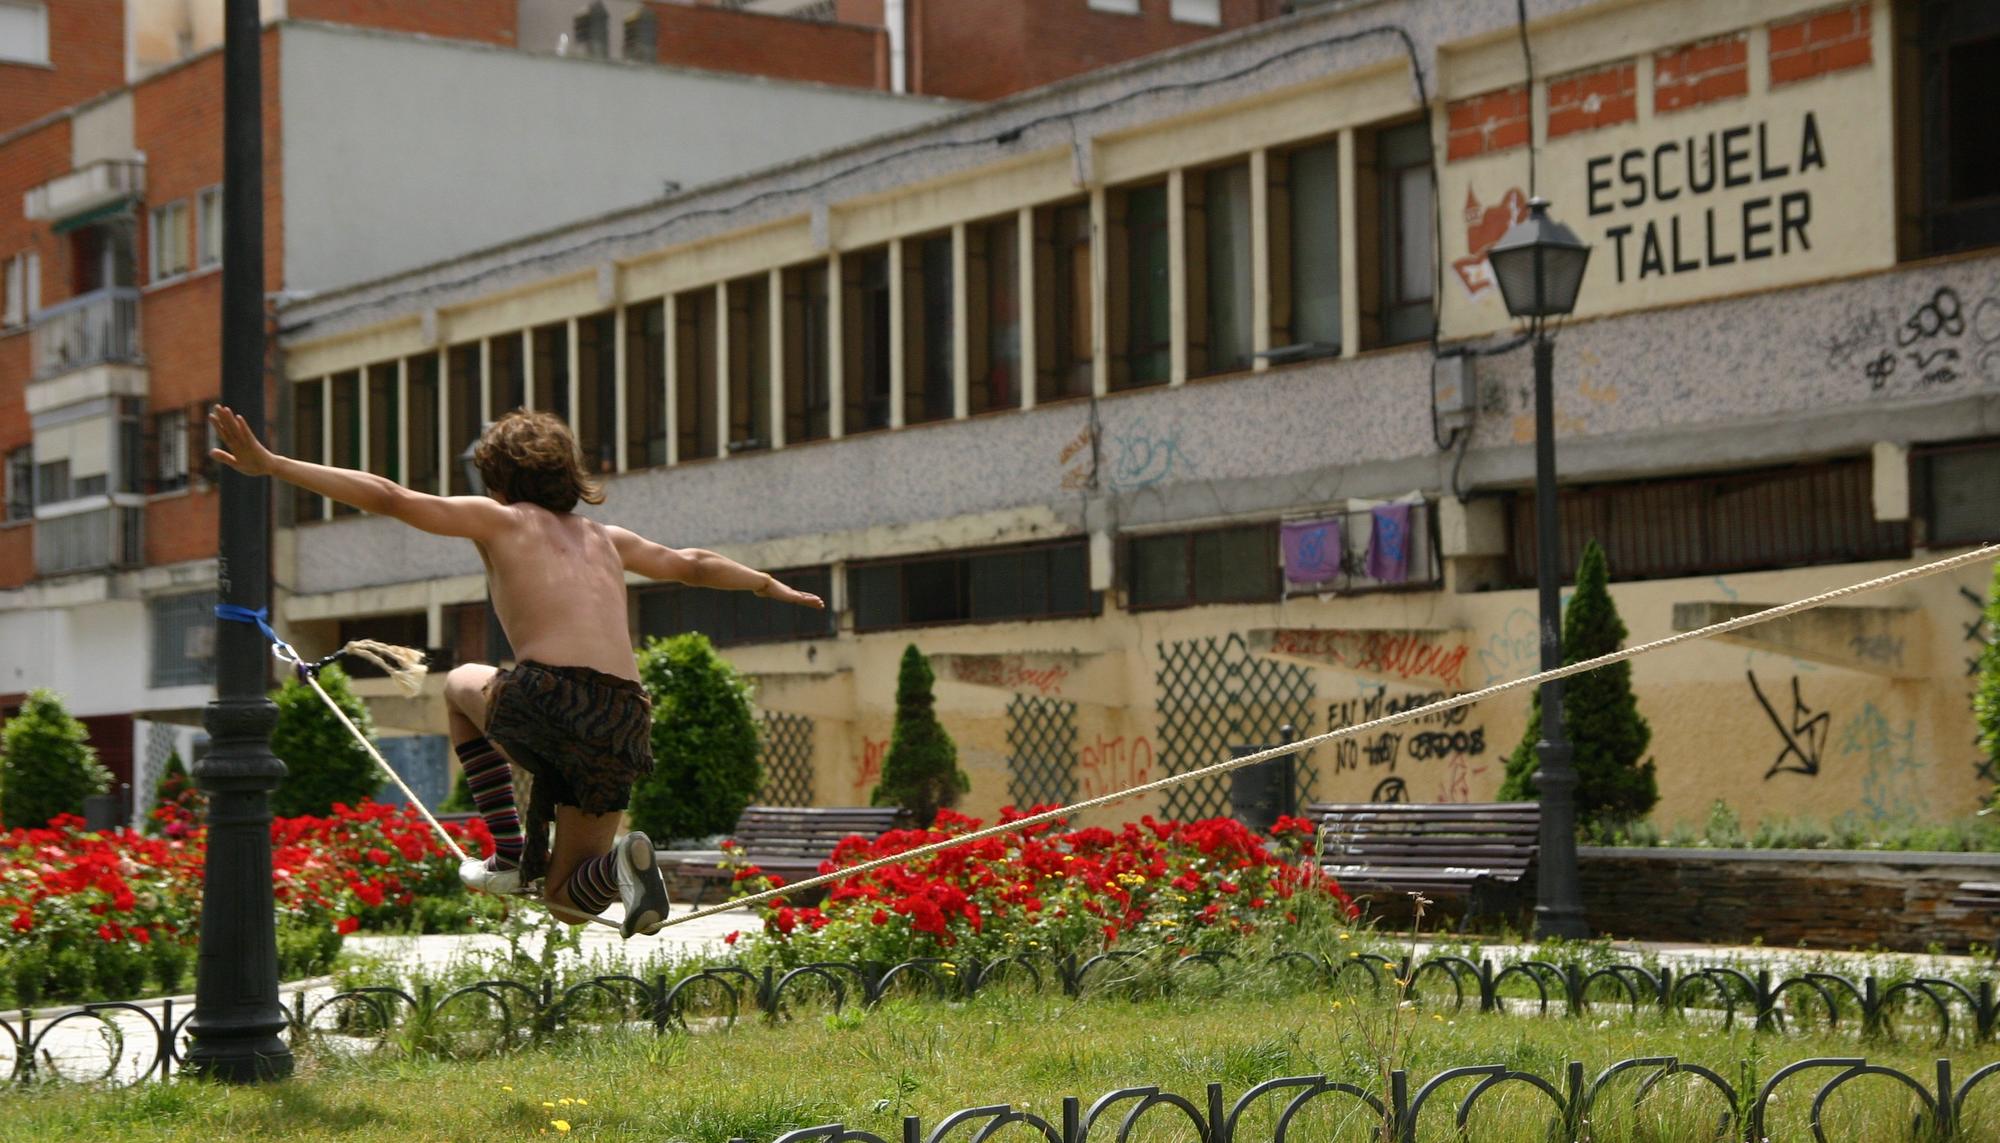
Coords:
pixel 1405 655
pixel 1112 764
pixel 1010 672
pixel 870 773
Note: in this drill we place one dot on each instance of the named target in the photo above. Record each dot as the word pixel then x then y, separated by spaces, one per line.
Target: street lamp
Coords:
pixel 1539 264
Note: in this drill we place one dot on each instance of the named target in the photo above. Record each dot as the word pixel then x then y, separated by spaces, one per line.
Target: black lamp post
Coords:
pixel 238 1023
pixel 1539 264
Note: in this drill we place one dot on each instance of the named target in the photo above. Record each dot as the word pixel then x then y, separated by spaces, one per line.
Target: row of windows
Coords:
pixel 750 363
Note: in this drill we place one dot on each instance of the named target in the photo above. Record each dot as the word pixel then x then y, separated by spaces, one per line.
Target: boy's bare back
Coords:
pixel 558 582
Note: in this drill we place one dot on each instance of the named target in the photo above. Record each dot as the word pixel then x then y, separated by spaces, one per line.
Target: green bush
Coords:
pixel 176 794
pixel 1986 701
pixel 1607 734
pixel 324 764
pixel 921 773
pixel 705 741
pixel 46 764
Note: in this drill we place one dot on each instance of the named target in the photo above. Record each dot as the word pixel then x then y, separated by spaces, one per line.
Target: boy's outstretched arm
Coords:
pixel 468 517
pixel 701 569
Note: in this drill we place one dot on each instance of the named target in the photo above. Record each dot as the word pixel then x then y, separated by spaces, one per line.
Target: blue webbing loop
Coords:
pixel 261 616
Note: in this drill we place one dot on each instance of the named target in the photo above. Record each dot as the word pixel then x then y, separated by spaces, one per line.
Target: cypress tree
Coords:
pixel 323 762
pixel 1601 715
pixel 706 749
pixel 46 764
pixel 1986 700
pixel 921 773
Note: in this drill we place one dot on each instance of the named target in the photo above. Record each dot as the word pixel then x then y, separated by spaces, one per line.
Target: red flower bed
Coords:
pixel 1193 885
pixel 101 914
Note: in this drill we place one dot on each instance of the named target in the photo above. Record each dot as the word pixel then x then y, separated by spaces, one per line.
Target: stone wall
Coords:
pixel 1815 898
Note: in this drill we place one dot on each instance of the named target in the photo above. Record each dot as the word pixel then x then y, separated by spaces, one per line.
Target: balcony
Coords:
pixel 94 329
pixel 95 539
pixel 86 189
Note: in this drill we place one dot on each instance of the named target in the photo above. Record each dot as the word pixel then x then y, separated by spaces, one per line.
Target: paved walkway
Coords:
pixel 115 1046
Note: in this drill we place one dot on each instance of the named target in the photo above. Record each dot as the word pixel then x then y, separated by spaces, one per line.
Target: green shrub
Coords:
pixel 175 796
pixel 306 949
pixel 921 773
pixel 1607 734
pixel 705 741
pixel 1986 700
pixel 324 764
pixel 169 958
pixel 46 764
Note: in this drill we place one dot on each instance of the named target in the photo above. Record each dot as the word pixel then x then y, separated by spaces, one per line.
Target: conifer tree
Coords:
pixel 921 773
pixel 323 762
pixel 1986 700
pixel 47 766
pixel 1607 734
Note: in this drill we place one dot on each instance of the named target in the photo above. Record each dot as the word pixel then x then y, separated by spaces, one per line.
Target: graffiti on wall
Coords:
pixel 1135 457
pixel 1889 784
pixel 1107 765
pixel 1802 735
pixel 1512 651
pixel 1936 342
pixel 1009 672
pixel 1446 737
pixel 873 751
pixel 1397 654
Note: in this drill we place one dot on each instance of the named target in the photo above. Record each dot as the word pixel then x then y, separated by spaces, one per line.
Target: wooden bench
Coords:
pixel 1981 897
pixel 790 841
pixel 1480 853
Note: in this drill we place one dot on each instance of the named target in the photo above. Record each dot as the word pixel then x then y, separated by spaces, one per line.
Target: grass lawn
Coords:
pixel 929 1058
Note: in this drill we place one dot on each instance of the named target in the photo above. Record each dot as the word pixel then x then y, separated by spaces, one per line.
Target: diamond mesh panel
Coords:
pixel 788 760
pixel 1213 693
pixel 1041 751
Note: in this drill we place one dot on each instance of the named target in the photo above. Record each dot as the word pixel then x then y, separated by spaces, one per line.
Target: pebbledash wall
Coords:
pixel 1763 349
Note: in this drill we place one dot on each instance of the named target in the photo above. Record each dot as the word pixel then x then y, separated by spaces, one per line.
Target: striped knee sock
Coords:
pixel 491 783
pixel 594 885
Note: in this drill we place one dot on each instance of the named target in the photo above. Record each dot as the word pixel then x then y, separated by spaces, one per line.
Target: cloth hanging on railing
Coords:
pixel 1389 543
pixel 1312 550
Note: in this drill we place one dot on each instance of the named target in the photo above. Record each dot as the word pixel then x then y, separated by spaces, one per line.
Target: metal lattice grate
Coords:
pixel 1041 751
pixel 787 759
pixel 1213 693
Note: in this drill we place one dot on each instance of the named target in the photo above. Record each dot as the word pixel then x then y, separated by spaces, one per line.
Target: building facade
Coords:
pixel 383 150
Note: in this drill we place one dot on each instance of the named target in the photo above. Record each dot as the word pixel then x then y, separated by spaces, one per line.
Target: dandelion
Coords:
pixel 583 1103
pixel 561 1125
pixel 546 1103
pixel 506 1087
pixel 565 1102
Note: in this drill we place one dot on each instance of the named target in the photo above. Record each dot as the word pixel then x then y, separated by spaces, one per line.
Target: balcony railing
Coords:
pixel 92 329
pixel 98 540
pixel 86 188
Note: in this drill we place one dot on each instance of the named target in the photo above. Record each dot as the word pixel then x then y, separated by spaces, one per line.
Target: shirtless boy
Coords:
pixel 571 711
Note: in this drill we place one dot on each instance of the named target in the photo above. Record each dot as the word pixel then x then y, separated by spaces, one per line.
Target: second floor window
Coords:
pixel 1044 581
pixel 731 617
pixel 21 483
pixel 1406 252
pixel 170 240
pixel 1217 565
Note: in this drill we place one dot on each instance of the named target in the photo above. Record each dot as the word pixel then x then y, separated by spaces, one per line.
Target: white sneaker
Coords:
pixel 640 886
pixel 480 876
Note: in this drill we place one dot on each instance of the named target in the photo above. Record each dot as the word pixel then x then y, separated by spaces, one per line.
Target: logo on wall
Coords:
pixel 1485 225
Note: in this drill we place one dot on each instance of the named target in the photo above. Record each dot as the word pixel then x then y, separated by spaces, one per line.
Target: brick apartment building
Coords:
pixel 1045 386
pixel 395 134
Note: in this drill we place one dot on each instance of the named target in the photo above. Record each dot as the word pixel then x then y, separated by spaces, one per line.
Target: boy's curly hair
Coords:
pixel 531 458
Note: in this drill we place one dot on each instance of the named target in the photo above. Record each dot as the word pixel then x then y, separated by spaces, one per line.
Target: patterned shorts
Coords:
pixel 583 736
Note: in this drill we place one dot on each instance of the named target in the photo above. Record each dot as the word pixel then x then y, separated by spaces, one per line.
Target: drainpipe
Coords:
pixel 895 16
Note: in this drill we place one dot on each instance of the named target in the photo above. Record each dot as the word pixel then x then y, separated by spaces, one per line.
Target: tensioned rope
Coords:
pixel 1780 611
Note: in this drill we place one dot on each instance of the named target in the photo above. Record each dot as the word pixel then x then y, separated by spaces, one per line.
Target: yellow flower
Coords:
pixel 546 1103
pixel 583 1103
pixel 506 1087
pixel 559 1124
pixel 1343 936
pixel 565 1101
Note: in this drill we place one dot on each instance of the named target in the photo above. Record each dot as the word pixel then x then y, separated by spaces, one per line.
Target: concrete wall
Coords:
pixel 509 144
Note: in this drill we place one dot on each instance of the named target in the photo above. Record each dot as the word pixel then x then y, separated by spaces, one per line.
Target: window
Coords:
pixel 1218 271
pixel 1305 249
pixel 21 483
pixel 470 635
pixel 1220 565
pixel 1041 582
pixel 732 617
pixel 24 32
pixel 505 358
pixel 1140 303
pixel 864 315
pixel 170 240
pixel 1958 488
pixel 1772 518
pixel 1063 314
pixel 346 439
pixel 208 227
pixel 1129 7
pixel 808 354
pixel 170 451
pixel 645 384
pixel 423 428
pixel 130 428
pixel 596 392
pixel 993 323
pixel 407 629
pixel 462 411
pixel 385 422
pixel 24 287
pixel 695 375
pixel 1399 266
pixel 927 330
pixel 308 443
pixel 551 370
pixel 750 363
pixel 183 639
pixel 1197 11
pixel 52 483
pixel 1951 81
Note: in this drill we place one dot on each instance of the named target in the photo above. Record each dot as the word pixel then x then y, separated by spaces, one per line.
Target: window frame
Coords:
pixel 1923 487
pixel 156 228
pixel 22 289
pixel 802 578
pixel 204 231
pixel 19 477
pixel 198 604
pixel 1210 15
pixel 38 10
pixel 1093 599
pixel 1191 597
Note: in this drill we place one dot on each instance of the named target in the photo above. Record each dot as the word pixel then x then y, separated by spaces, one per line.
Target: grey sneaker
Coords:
pixel 640 886
pixel 479 875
